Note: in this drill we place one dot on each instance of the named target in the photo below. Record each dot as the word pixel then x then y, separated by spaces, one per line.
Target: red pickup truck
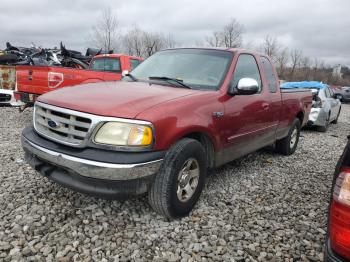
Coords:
pixel 180 112
pixel 33 81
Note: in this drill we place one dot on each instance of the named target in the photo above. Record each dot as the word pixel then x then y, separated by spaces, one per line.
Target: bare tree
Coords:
pixel 232 34
pixel 215 40
pixel 229 36
pixel 170 41
pixel 133 41
pixel 271 47
pixel 152 42
pixel 306 67
pixel 142 43
pixel 105 34
pixel 295 57
pixel 282 62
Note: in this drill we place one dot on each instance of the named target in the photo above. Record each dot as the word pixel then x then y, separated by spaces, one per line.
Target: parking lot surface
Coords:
pixel 262 207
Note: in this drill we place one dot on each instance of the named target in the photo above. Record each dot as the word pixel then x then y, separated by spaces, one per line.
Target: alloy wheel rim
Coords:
pixel 188 179
pixel 293 138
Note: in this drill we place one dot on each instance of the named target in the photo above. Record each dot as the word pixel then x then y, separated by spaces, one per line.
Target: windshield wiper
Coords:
pixel 132 77
pixel 169 80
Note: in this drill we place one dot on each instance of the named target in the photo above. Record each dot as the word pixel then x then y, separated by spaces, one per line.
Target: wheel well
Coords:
pixel 207 144
pixel 300 116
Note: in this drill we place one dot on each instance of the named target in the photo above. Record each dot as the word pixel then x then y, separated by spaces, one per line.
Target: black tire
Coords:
pixel 284 145
pixel 162 195
pixel 325 127
pixel 335 121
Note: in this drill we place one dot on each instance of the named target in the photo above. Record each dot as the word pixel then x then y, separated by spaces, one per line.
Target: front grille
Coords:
pixel 67 128
pixel 5 98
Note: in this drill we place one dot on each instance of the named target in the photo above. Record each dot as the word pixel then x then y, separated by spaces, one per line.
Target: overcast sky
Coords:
pixel 319 27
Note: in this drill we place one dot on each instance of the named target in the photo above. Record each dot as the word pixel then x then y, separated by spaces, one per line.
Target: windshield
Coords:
pixel 196 68
pixel 106 64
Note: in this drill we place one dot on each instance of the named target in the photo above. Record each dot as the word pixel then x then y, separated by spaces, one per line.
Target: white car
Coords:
pixel 325 108
pixel 7 98
pixel 8 85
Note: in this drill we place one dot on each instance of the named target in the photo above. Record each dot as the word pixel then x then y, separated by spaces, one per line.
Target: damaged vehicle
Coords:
pixel 8 85
pixel 326 106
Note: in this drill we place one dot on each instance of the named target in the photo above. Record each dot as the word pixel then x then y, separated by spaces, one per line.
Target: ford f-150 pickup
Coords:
pixel 33 81
pixel 178 114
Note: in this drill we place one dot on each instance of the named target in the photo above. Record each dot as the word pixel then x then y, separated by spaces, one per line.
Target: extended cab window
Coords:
pixel 134 63
pixel 246 67
pixel 106 64
pixel 270 75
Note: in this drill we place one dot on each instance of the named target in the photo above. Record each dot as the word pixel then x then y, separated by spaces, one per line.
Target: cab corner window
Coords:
pixel 134 63
pixel 270 75
pixel 246 67
pixel 106 64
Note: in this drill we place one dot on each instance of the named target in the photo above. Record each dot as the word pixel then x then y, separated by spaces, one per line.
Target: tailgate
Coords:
pixel 7 77
pixel 32 79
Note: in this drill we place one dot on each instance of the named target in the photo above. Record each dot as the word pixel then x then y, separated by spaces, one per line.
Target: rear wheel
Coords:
pixel 335 121
pixel 326 124
pixel 288 145
pixel 179 182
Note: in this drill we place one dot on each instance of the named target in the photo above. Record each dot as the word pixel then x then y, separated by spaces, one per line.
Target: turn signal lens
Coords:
pixel 140 135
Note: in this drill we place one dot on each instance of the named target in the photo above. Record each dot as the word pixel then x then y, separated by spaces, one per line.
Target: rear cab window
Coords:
pixel 134 63
pixel 270 75
pixel 246 67
pixel 106 65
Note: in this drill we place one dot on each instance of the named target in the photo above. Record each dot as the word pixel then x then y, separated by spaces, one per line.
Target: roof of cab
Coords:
pixel 229 49
pixel 117 56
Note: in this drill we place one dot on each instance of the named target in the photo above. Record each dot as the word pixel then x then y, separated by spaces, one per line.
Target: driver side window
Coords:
pixel 246 67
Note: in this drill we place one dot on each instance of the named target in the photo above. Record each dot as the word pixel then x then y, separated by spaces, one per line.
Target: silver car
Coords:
pixel 325 108
pixel 343 94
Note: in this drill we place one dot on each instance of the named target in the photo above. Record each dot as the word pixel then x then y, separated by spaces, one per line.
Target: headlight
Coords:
pixel 124 134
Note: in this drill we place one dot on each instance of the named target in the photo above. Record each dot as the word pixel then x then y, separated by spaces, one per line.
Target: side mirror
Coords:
pixel 125 72
pixel 245 86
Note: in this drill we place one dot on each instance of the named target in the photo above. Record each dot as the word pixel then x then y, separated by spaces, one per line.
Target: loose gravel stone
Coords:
pixel 262 207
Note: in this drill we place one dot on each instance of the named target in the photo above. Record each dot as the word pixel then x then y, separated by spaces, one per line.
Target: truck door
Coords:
pixel 134 63
pixel 247 126
pixel 275 99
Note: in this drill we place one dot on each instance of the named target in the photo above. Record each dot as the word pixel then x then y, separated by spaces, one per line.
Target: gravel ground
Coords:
pixel 263 207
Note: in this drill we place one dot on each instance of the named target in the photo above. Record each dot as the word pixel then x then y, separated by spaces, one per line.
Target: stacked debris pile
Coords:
pixel 39 56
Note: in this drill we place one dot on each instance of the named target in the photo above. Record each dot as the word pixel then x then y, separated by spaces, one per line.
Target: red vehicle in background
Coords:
pixel 32 81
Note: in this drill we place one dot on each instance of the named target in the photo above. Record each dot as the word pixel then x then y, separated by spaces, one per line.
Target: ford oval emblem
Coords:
pixel 52 124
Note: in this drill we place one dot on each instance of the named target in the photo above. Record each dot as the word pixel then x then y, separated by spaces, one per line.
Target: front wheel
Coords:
pixel 179 182
pixel 288 145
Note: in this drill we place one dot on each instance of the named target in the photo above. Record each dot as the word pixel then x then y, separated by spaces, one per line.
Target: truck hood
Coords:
pixel 116 99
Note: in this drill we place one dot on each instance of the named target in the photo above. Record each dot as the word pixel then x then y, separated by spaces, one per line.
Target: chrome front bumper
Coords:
pixel 92 169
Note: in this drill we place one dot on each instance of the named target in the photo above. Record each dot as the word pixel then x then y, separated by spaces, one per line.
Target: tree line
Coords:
pixel 291 64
